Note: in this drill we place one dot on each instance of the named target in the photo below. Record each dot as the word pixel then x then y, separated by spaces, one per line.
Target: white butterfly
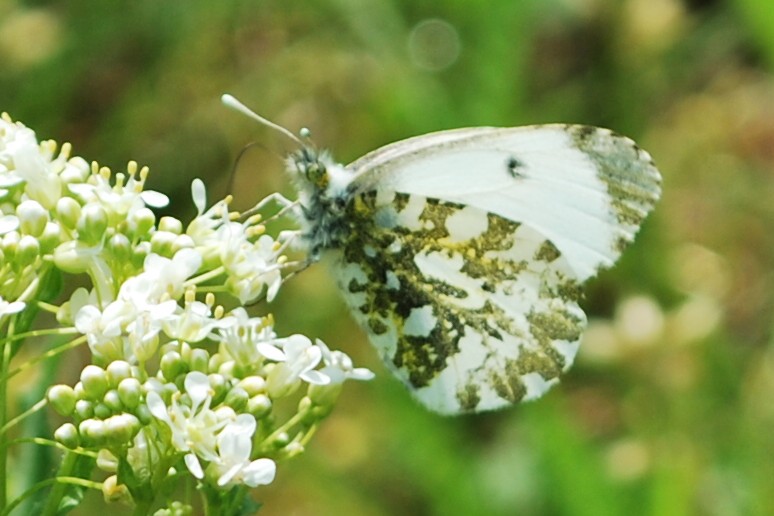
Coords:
pixel 462 253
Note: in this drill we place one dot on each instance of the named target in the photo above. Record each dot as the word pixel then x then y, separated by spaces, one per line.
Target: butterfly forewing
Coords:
pixel 585 189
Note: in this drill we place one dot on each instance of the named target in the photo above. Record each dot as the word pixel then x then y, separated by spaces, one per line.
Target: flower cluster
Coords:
pixel 178 383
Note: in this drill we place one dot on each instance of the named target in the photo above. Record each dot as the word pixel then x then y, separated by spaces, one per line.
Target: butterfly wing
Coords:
pixel 467 250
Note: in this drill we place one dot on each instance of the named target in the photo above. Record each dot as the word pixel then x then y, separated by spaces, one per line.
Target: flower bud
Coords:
pixel 140 222
pixel 32 218
pixel 106 461
pixel 117 370
pixel 121 428
pixel 121 247
pixel 199 360
pixel 237 399
pixel 27 250
pixel 163 243
pixel 68 211
pixel 75 171
pixel 259 406
pixel 95 381
pixel 219 385
pixel 325 395
pixel 171 225
pixel 74 256
pixel 92 224
pixel 102 411
pixel 84 409
pixel 62 398
pixel 51 237
pixel 67 435
pixel 253 385
pixel 113 492
pixel 130 392
pixel 113 401
pixel 93 432
pixel 172 365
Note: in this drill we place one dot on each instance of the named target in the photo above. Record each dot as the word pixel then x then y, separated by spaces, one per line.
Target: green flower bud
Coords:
pixel 171 225
pixel 68 211
pixel 51 237
pixel 92 224
pixel 121 428
pixel 118 370
pixel 143 415
pixel 76 170
pixel 74 256
pixel 325 395
pixel 253 385
pixel 113 401
pixel 182 242
pixel 281 440
pixel 140 222
pixel 172 365
pixel 102 411
pixel 199 360
pixel 32 218
pixel 67 435
pixel 93 432
pixel 62 398
pixel 84 409
pixel 95 381
pixel 9 243
pixel 130 392
pixel 237 399
pixel 220 386
pixel 27 250
pixel 259 406
pixel 139 252
pixel 121 247
pixel 163 243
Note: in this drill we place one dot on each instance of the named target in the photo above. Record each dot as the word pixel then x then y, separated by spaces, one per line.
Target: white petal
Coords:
pixel 199 194
pixel 259 472
pixel 197 385
pixel 193 465
pixel 271 352
pixel 156 406
pixel 315 377
pixel 154 199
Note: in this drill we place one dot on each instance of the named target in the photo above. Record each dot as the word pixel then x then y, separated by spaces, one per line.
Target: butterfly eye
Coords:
pixel 316 173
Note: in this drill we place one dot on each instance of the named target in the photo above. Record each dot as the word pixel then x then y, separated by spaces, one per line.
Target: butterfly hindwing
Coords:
pixel 472 311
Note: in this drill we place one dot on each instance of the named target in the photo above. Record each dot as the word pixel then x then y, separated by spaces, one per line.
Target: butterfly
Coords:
pixel 462 253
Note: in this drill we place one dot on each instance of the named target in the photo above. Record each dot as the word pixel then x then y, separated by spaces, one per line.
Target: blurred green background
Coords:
pixel 670 406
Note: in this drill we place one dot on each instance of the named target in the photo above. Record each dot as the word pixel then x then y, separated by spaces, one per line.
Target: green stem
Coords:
pixel 57 492
pixel 37 406
pixel 4 364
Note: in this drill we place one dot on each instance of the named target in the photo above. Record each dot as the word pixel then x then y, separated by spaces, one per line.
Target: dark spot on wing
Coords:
pixel 513 165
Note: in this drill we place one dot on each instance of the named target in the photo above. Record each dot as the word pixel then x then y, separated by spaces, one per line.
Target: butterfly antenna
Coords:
pixel 233 103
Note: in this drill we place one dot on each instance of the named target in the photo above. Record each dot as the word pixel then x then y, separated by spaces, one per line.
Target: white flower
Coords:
pixel 339 367
pixel 193 324
pixel 22 158
pixel 234 447
pixel 119 199
pixel 301 357
pixel 248 340
pixel 250 266
pixel 195 427
pixel 161 276
pixel 104 327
